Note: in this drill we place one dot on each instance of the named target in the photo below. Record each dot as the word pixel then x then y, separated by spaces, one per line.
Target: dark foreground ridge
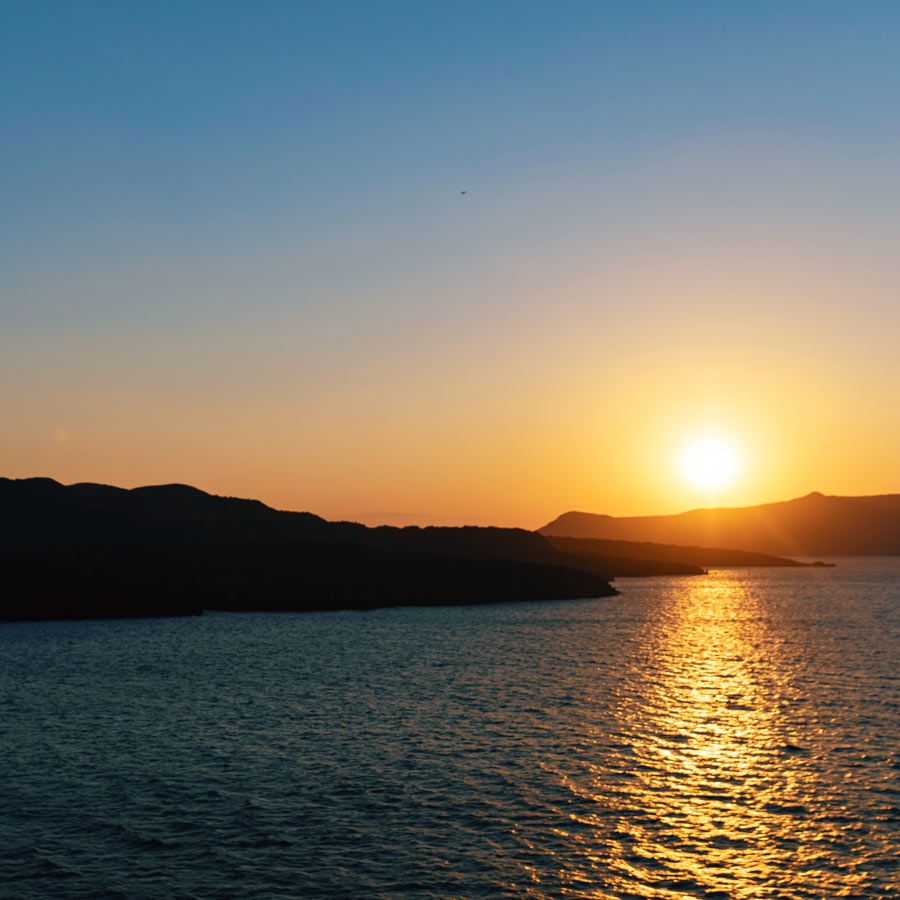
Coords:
pixel 90 550
pixel 814 525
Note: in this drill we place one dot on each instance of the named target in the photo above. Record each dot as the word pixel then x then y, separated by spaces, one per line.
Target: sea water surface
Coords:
pixel 735 735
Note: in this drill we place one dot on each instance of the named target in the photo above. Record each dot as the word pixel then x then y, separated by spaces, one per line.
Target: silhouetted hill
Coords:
pixel 96 550
pixel 814 525
pixel 633 551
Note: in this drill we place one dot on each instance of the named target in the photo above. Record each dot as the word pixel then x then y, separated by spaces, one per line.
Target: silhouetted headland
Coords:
pixel 637 552
pixel 814 525
pixel 90 550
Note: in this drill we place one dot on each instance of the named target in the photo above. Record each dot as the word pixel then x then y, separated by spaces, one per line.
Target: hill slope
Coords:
pixel 814 525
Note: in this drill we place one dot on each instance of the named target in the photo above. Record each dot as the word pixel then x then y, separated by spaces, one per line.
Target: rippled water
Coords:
pixel 736 735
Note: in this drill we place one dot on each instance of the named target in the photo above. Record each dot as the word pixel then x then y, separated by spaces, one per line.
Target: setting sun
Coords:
pixel 709 463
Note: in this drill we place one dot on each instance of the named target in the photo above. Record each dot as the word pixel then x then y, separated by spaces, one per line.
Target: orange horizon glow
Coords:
pixel 379 453
pixel 506 447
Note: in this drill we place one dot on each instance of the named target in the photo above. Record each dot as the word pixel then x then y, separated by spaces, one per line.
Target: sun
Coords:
pixel 709 463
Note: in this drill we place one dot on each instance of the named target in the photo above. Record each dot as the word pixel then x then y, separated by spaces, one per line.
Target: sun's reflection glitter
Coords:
pixel 707 790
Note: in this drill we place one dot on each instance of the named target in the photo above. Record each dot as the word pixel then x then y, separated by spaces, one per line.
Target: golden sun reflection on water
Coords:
pixel 713 793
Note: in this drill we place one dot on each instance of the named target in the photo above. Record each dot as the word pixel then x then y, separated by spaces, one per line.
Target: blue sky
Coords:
pixel 204 123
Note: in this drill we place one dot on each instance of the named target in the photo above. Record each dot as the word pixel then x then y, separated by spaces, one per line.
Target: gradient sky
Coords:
pixel 234 252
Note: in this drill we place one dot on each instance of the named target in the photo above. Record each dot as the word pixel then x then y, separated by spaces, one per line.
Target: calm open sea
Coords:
pixel 736 735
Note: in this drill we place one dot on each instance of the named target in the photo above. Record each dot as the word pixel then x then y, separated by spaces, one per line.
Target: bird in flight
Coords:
pixel 464 192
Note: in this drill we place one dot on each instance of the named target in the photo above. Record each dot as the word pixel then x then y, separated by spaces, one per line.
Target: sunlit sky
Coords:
pixel 234 251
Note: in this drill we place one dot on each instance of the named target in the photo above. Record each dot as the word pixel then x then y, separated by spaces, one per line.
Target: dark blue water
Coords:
pixel 736 735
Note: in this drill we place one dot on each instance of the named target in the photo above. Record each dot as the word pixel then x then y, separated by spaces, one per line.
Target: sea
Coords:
pixel 734 735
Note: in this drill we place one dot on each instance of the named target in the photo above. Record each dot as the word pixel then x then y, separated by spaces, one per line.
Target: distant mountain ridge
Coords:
pixel 814 525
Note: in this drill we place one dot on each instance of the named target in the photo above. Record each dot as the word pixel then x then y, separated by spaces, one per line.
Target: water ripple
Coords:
pixel 732 736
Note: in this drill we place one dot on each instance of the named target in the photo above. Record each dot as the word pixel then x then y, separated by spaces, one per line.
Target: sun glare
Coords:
pixel 709 463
